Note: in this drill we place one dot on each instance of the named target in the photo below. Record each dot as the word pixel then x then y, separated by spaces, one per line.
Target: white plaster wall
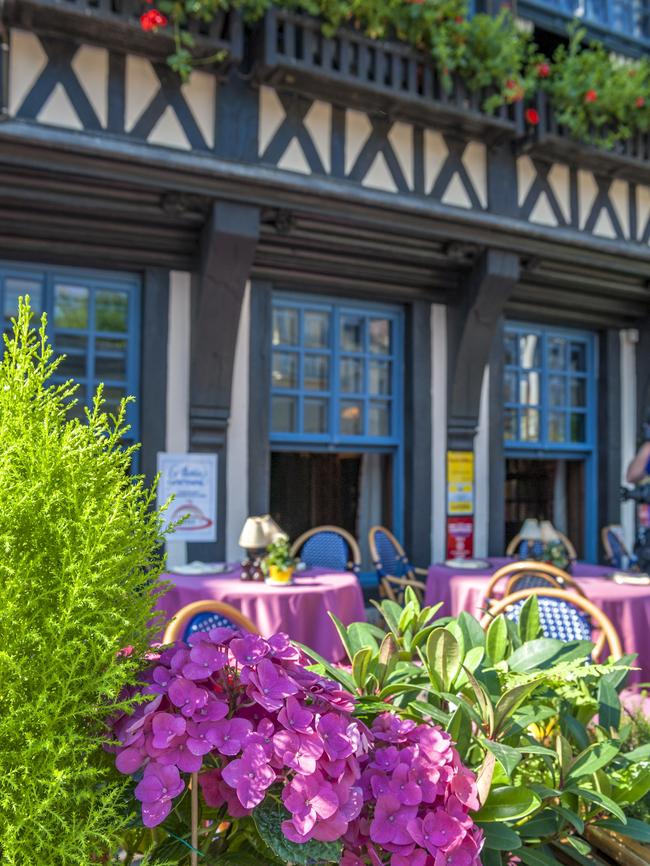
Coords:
pixel 482 471
pixel 178 382
pixel 438 430
pixel 237 460
pixel 629 339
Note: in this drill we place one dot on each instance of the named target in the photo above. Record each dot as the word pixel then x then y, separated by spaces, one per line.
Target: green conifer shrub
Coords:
pixel 79 560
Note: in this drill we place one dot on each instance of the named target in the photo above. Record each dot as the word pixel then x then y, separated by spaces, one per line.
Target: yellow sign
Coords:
pixel 460 482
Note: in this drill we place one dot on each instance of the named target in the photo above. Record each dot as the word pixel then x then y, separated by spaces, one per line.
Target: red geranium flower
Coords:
pixel 152 19
pixel 543 70
pixel 591 96
pixel 510 84
pixel 532 116
pixel 640 102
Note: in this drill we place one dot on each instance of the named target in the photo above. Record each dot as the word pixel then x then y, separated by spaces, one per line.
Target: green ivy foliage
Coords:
pixel 600 98
pixel 79 554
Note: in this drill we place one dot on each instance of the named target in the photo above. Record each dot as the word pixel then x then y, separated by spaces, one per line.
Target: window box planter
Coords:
pixel 553 141
pixel 369 74
pixel 116 24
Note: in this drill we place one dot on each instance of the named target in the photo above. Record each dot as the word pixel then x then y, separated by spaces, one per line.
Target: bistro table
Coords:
pixel 300 610
pixel 627 606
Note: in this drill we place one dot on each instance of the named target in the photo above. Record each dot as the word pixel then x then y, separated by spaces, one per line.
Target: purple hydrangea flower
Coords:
pixel 230 735
pixel 333 729
pixel 205 659
pixel 269 685
pixel 249 649
pixel 187 696
pixel 390 821
pixel 156 791
pixel 165 728
pixel 250 776
pixel 295 717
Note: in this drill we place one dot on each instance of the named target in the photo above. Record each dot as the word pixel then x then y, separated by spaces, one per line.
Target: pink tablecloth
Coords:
pixel 628 607
pixel 300 609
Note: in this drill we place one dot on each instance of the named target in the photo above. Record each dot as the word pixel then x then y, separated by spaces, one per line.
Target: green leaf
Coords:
pixel 443 656
pixel 496 639
pixel 544 652
pixel 540 826
pixel 362 635
pixel 268 817
pixel 537 857
pixel 580 845
pixel 460 730
pixel 454 629
pixel 509 702
pixel 637 830
pixel 599 799
pixel 500 838
pixel 472 631
pixel 407 616
pixel 391 613
pixel 484 701
pixel 609 705
pixel 641 753
pixel 529 625
pixel 592 759
pixel 508 803
pixel 571 818
pixel 505 755
pixel 564 754
pixel 337 674
pixel 360 664
pixel 343 635
pixel 429 711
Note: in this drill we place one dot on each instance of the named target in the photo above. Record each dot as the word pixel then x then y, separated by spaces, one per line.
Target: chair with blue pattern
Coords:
pixel 526 574
pixel 564 616
pixel 526 549
pixel 615 548
pixel 394 569
pixel 204 615
pixel 328 547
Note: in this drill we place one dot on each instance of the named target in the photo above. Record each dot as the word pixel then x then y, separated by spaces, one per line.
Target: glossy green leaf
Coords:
pixel 540 826
pixel 508 803
pixel 529 625
pixel 642 753
pixel 360 664
pixel 454 628
pixel 484 701
pixel 498 837
pixel 496 639
pixel 571 818
pixel 637 830
pixel 505 755
pixel 580 845
pixel 564 754
pixel 268 817
pixel 609 705
pixel 459 729
pixel 509 702
pixel 336 673
pixel 408 615
pixel 443 656
pixel 391 613
pixel 542 653
pixel 592 759
pixel 422 708
pixel 472 630
pixel 537 857
pixel 600 800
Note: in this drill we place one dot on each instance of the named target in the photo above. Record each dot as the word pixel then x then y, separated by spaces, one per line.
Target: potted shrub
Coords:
pixel 279 561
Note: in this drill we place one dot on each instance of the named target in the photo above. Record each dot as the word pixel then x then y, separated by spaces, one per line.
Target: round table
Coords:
pixel 300 610
pixel 627 606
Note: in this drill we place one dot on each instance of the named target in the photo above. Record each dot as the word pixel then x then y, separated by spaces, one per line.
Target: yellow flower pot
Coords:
pixel 281 575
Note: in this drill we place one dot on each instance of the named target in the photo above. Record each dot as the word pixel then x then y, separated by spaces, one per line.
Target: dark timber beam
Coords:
pixel 471 326
pixel 227 249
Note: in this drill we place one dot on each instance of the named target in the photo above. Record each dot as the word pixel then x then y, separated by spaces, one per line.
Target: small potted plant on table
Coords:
pixel 279 561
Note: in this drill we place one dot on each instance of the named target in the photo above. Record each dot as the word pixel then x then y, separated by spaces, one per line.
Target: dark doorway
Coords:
pixel 352 490
pixel 548 490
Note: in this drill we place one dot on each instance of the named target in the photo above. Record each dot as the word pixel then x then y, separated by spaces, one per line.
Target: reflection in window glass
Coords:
pixel 380 336
pixel 510 431
pixel 283 414
pixel 578 426
pixel 529 421
pixel 112 311
pixel 510 386
pixel 351 422
pixel 556 427
pixel 113 397
pixel 379 375
pixel 352 333
pixel 285 370
pixel 529 389
pixel 73 366
pixel 557 391
pixel 14 288
pixel 557 353
pixel 70 306
pixel 529 351
pixel 352 375
pixel 379 419
pixel 510 349
pixel 315 411
pixel 110 367
pixel 316 373
pixel 578 392
pixel 317 326
pixel 578 358
pixel 285 327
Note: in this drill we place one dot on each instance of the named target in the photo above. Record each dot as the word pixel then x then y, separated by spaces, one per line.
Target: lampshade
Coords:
pixel 253 536
pixel 548 532
pixel 271 529
pixel 530 530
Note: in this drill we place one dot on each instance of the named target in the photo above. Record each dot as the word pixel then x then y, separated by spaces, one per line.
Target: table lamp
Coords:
pixel 271 529
pixel 531 530
pixel 548 532
pixel 254 540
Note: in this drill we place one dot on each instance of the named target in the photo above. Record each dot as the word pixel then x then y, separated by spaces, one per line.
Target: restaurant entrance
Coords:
pixel 547 489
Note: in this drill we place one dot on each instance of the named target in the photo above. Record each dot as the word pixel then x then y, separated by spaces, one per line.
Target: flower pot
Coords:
pixel 281 575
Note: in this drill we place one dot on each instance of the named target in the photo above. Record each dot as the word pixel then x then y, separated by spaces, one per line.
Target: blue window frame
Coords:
pixel 93 319
pixel 335 374
pixel 549 387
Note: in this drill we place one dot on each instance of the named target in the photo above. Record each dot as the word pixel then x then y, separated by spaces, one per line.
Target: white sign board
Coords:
pixel 192 480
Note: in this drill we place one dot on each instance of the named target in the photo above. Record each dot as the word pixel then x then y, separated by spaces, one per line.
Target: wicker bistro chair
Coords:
pixel 203 616
pixel 563 615
pixel 615 548
pixel 393 588
pixel 328 547
pixel 526 574
pixel 522 547
pixel 394 569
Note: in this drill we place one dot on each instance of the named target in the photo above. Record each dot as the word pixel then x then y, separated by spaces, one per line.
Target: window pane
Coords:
pixel 510 424
pixel 379 419
pixel 17 286
pixel 529 421
pixel 70 306
pixel 351 375
pixel 380 336
pixel 578 392
pixel 283 414
pixel 529 351
pixel 113 397
pixel 316 372
pixel 578 427
pixel 110 367
pixel 317 330
pixel 104 344
pixel 578 357
pixel 315 420
pixel 285 370
pixel 510 348
pixel 352 333
pixel 72 367
pixel 285 327
pixel 351 420
pixel 379 375
pixel 70 343
pixel 557 391
pixel 556 427
pixel 510 387
pixel 78 410
pixel 112 311
pixel 557 353
pixel 529 388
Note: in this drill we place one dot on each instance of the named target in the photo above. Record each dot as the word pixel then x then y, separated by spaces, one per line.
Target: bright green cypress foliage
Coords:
pixel 79 550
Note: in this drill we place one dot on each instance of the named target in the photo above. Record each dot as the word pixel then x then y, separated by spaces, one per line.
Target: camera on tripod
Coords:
pixel 639 493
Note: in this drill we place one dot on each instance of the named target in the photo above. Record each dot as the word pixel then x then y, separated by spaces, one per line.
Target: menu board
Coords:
pixel 191 479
